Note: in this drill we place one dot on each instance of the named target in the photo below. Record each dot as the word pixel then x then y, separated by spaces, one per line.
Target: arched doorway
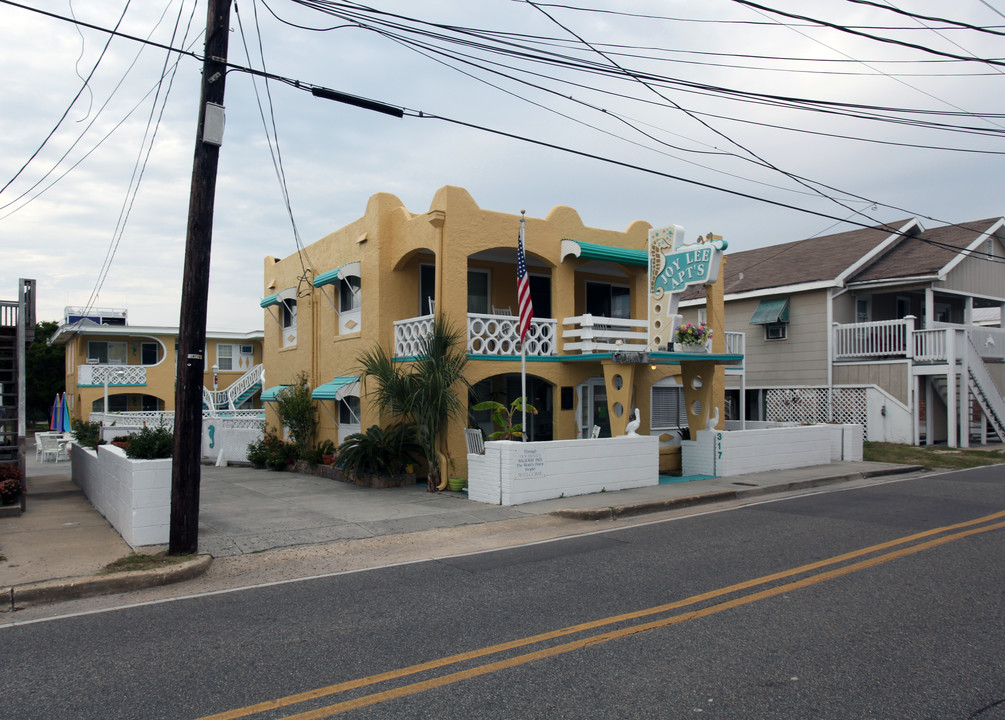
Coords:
pixel 505 389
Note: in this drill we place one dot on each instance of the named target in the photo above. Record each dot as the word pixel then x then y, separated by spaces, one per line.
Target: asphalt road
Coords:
pixel 878 602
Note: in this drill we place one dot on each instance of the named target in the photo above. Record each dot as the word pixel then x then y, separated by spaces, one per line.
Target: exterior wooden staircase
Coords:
pixel 17 331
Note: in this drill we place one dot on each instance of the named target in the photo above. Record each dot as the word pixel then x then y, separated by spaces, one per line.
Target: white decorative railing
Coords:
pixel 500 335
pixel 987 342
pixel 165 418
pixel 884 338
pixel 593 333
pixel 112 374
pixel 244 383
pixel 409 333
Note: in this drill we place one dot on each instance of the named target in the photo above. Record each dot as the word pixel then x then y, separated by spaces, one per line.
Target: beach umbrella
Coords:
pixel 65 416
pixel 54 417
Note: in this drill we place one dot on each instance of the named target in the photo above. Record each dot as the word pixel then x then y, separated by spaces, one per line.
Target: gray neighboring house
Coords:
pixel 877 326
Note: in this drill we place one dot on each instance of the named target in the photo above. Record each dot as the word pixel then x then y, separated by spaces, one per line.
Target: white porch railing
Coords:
pixel 113 374
pixel 230 395
pixel 884 338
pixel 408 335
pixel 736 343
pixel 500 335
pixel 165 418
pixel 590 334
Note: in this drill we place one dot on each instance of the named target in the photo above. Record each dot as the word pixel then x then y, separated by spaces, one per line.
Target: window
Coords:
pixel 776 331
pixel 478 291
pixel 863 309
pixel 107 353
pixel 607 300
pixel 148 353
pixel 348 410
pixel 224 356
pixel 289 322
pixel 668 409
pixel 903 307
pixel 349 294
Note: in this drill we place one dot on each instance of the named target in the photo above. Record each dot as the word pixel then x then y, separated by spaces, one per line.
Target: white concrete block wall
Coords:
pixel 133 495
pixel 511 473
pixel 697 456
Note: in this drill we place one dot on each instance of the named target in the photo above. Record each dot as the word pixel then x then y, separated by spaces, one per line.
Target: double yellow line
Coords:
pixel 908 545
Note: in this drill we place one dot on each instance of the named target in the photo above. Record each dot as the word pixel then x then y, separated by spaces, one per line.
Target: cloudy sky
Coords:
pixel 804 124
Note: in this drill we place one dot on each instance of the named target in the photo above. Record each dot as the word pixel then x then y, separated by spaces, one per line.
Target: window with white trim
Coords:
pixel 224 356
pixel 289 321
pixel 108 352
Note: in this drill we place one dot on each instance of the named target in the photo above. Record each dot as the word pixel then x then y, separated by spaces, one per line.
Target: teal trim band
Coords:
pixel 112 387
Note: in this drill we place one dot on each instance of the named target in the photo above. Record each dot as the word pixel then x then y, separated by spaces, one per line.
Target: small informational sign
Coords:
pixel 529 464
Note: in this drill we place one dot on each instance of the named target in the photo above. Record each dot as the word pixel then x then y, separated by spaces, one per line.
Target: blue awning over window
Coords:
pixel 773 310
pixel 340 273
pixel 337 389
pixel 270 394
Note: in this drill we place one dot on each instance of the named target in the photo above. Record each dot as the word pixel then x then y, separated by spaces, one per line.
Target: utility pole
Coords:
pixel 191 361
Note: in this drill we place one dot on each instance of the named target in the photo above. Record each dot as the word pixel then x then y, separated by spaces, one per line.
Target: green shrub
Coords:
pixel 87 433
pixel 297 413
pixel 150 444
pixel 379 451
pixel 272 452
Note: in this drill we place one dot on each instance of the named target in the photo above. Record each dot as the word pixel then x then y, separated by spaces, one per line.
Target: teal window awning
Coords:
pixel 287 294
pixel 773 310
pixel 269 395
pixel 580 249
pixel 331 277
pixel 337 389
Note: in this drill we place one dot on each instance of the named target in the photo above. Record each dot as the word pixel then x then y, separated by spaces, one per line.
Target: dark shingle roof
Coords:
pixel 925 254
pixel 802 261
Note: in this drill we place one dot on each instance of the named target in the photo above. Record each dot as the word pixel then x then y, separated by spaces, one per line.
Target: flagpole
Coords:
pixel 523 361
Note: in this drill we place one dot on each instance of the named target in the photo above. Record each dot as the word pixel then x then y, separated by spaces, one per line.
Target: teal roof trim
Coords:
pixel 270 394
pixel 335 389
pixel 269 301
pixel 769 311
pixel 611 254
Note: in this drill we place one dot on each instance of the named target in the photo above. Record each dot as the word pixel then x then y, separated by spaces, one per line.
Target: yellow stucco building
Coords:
pixel 383 278
pixel 132 368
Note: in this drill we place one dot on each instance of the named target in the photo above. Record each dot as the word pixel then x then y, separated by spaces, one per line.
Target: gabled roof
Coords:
pixel 819 259
pixel 926 255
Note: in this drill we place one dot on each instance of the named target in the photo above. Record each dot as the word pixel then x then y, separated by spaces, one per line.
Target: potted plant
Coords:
pixel 121 441
pixel 10 483
pixel 150 444
pixel 503 417
pixel 326 450
pixel 692 338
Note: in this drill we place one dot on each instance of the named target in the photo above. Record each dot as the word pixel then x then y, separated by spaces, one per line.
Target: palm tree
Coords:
pixel 421 390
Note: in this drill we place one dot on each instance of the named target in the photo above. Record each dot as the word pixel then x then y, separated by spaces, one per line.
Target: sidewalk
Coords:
pixel 61 539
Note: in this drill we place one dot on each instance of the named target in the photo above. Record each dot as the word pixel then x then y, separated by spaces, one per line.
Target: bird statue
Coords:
pixel 713 418
pixel 633 424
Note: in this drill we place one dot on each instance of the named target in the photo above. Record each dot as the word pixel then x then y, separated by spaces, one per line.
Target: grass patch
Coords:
pixel 140 561
pixel 931 456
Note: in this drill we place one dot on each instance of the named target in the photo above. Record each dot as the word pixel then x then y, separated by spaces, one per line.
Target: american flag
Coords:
pixel 523 286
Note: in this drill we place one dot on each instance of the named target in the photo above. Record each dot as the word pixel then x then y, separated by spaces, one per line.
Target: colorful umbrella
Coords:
pixel 54 417
pixel 65 415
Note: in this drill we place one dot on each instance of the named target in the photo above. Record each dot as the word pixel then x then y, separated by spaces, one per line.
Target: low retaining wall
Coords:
pixel 133 495
pixel 221 436
pixel 511 473
pixel 726 453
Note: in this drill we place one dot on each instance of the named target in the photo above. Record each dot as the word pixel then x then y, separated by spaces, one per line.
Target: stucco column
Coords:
pixel 620 380
pixel 715 310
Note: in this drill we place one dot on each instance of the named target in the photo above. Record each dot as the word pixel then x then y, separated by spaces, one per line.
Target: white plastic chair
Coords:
pixel 596 432
pixel 499 310
pixel 474 440
pixel 48 446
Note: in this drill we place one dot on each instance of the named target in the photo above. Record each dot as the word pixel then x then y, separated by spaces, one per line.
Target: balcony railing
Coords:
pixel 112 374
pixel 489 334
pixel 899 339
pixel 593 334
pixel 882 339
pixel 500 335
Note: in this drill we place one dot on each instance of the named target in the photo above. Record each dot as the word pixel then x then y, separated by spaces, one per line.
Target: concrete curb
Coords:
pixel 52 591
pixel 652 506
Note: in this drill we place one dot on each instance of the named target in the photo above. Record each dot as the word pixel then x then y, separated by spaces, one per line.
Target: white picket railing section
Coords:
pixel 231 395
pixel 884 338
pixel 409 333
pixel 736 343
pixel 593 333
pixel 165 418
pixel 112 374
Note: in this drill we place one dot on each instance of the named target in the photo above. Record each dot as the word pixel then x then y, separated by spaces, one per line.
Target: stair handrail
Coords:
pixel 986 391
pixel 236 389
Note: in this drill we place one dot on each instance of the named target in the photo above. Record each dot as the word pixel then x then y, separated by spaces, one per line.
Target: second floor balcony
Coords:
pixel 498 335
pixel 100 375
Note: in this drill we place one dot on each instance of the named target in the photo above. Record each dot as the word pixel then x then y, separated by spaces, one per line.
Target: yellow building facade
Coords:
pixel 383 278
pixel 134 367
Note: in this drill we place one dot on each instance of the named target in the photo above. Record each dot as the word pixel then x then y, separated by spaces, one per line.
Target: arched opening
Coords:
pixel 505 389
